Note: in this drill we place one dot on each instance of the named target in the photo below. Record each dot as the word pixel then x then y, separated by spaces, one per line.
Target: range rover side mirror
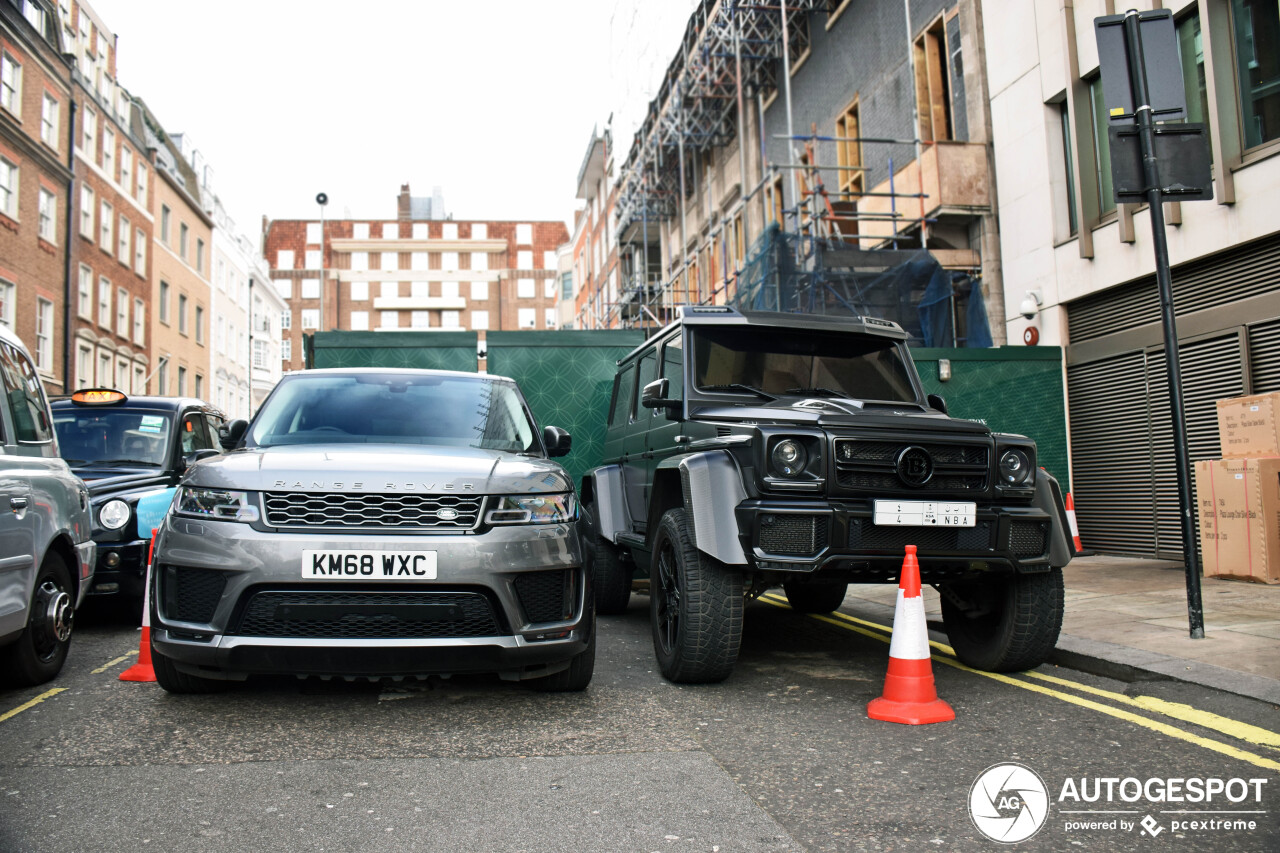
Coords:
pixel 558 441
pixel 936 402
pixel 229 434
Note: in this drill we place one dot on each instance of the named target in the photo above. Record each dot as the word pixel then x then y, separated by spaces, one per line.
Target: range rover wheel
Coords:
pixel 610 576
pixel 174 680
pixel 577 676
pixel 815 596
pixel 695 607
pixel 40 650
pixel 1007 625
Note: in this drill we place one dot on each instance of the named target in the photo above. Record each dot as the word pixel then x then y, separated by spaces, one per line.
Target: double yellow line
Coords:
pixel 1184 713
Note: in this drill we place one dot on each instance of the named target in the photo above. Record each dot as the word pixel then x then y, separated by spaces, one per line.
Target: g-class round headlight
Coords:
pixel 789 457
pixel 1015 468
pixel 114 514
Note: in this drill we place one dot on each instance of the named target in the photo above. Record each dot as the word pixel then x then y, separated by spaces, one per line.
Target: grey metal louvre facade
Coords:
pixel 1123 475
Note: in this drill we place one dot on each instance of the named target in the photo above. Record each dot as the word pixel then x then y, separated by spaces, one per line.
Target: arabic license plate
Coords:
pixel 925 513
pixel 369 565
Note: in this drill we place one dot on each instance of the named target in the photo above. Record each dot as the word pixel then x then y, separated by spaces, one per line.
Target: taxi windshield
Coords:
pixel 377 408
pixel 113 437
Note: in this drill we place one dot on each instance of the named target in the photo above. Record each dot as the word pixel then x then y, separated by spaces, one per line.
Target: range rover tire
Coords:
pixel 695 607
pixel 610 576
pixel 174 680
pixel 1016 626
pixel 815 597
pixel 576 677
pixel 41 649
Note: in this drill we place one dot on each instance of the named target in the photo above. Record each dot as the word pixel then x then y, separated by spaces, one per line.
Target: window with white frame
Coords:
pixel 449 289
pixel 165 218
pixel 126 169
pixel 311 288
pixel 6 304
pixel 480 260
pixel 359 261
pixel 418 261
pixel 200 256
pixel 48 225
pixel 109 152
pixel 389 290
pixel 524 260
pixel 479 231
pixel 123 254
pixel 313 233
pixel 8 188
pixel 140 252
pixel 11 84
pixel 141 194
pixel 360 321
pixel 286 320
pixel 420 319
pixel 49 121
pixel 162 377
pixel 139 380
pixel 390 260
pixel 199 324
pixel 524 235
pixel 479 290
pixel 359 291
pixel 104 370
pixel 122 374
pixel 549 288
pixel 84 366
pixel 449 261
pixel 107 221
pixel 450 319
pixel 548 260
pixel 84 293
pixel 390 231
pixel 527 318
pixel 122 312
pixel 449 231
pixel 286 349
pixel 313 259
pixel 420 231
pixel 220 334
pixel 525 289
pixel 360 231
pixel 90 138
pixel 44 334
pixel 310 318
pixel 104 302
pixel 388 319
pixel 164 302
pixel 139 322
pixel 420 289
pixel 549 318
pixel 182 313
pixel 284 287
pixel 86 211
pixel 480 319
pixel 284 259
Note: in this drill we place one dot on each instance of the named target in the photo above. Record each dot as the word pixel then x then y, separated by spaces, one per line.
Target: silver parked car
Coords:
pixel 376 523
pixel 46 553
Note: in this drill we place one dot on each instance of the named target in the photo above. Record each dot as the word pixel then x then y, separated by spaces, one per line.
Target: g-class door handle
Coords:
pixel 17 504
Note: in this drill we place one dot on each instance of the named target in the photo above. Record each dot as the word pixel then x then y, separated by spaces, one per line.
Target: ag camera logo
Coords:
pixel 1008 802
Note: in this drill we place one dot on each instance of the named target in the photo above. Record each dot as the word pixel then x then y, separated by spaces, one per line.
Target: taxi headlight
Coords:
pixel 114 514
pixel 217 504
pixel 532 509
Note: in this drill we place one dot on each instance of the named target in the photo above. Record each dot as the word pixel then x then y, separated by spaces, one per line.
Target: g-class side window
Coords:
pixel 647 373
pixel 673 367
pixel 623 391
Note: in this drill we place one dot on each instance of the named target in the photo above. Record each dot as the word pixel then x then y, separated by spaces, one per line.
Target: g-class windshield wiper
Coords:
pixel 820 392
pixel 737 386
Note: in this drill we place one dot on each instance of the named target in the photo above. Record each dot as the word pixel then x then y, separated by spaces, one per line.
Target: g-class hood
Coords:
pixel 381 468
pixel 837 414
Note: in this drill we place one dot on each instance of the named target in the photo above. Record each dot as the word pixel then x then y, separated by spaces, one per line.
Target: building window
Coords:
pixel 526 318
pixel 123 254
pixel 360 321
pixel 310 318
pixel 389 290
pixel 6 304
pixel 389 319
pixel 11 85
pixel 566 286
pixel 449 231
pixel 162 377
pixel 284 259
pixel 525 289
pixel 90 134
pixel 933 89
pixel 420 289
pixel 1257 43
pixel 420 231
pixel 84 366
pixel 359 291
pixel 139 380
pixel 450 319
pixel 449 289
pixel 418 261
pixel 549 288
pixel 1068 162
pixel 524 235
pixel 48 225
pixel 44 334
pixel 286 320
pixel 183 234
pixel 200 256
pixel 420 319
pixel 84 294
pixel 182 381
pixel 109 152
pixel 479 291
pixel 165 215
pixel 142 184
pixel 524 260
pixel 449 261
pixel 8 189
pixel 104 370
pixel 164 302
pixel 86 211
pixel 390 261
pixel 549 318
pixel 479 260
pixel 1101 148
pixel 390 231
pixel 140 252
pixel 849 155
pixel 359 261
pixel 480 319
pixel 107 222
pixel 313 233
pixel 49 121
pixel 284 287
pixel 360 231
pixel 313 259
pixel 126 170
pixel 311 288
pixel 182 313
pixel 139 322
pixel 122 312
pixel 286 350
pixel 104 302
pixel 199 386
pixel 479 231
pixel 200 324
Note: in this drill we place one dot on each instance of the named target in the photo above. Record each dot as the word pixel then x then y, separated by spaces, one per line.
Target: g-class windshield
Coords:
pixel 770 363
pixel 389 408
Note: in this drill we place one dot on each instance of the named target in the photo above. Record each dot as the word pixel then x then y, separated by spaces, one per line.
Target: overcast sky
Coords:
pixel 493 101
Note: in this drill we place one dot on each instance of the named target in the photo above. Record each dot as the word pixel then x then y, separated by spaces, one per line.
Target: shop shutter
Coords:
pixel 1264 357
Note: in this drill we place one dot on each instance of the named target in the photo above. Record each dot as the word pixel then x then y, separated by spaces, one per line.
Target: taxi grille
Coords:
pixel 332 510
pixel 367 615
pixel 191 595
pixel 547 596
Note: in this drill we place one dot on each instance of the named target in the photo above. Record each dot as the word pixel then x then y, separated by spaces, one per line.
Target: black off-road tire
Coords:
pixel 1020 628
pixel 576 677
pixel 39 652
pixel 175 681
pixel 610 576
pixel 815 597
pixel 695 607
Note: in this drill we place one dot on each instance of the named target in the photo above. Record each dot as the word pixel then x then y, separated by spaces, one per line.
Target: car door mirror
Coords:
pixel 229 435
pixel 654 396
pixel 936 402
pixel 558 441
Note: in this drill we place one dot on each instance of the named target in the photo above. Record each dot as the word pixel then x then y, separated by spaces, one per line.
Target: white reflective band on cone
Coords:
pixel 910 638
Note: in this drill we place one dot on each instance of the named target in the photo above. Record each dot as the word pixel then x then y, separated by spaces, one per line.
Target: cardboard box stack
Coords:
pixel 1238 496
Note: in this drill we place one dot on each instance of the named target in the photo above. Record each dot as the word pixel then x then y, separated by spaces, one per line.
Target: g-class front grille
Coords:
pixel 789 535
pixel 866 535
pixel 876 465
pixel 1027 538
pixel 330 510
pixel 352 615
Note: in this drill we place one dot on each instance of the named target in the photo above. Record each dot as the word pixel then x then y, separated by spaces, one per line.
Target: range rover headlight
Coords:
pixel 216 504
pixel 114 514
pixel 1016 468
pixel 789 458
pixel 532 509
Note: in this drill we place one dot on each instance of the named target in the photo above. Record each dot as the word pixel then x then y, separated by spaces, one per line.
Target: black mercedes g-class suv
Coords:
pixel 747 451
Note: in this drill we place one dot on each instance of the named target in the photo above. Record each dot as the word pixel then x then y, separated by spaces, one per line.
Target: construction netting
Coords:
pixel 797 274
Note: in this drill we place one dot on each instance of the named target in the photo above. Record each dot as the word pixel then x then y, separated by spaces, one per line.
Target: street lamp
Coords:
pixel 322 199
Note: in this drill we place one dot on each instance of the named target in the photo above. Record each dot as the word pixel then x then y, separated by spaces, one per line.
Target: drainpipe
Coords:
pixel 68 339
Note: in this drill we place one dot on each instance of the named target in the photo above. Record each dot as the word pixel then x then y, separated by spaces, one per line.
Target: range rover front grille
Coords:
pixel 354 615
pixel 330 510
pixel 547 596
pixel 190 595
pixel 872 466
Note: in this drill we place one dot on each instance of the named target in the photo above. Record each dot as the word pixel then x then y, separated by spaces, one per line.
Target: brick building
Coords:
pixel 412 273
pixel 35 122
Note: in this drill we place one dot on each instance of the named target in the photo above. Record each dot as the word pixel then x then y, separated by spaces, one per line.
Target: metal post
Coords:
pixel 786 91
pixel 1164 281
pixel 684 238
pixel 320 328
pixel 915 117
pixel 742 118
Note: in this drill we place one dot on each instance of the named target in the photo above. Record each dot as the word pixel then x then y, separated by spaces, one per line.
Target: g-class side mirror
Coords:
pixel 558 441
pixel 229 434
pixel 654 396
pixel 936 402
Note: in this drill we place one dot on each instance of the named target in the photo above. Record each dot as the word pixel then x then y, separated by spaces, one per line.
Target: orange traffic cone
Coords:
pixel 909 693
pixel 1071 520
pixel 143 670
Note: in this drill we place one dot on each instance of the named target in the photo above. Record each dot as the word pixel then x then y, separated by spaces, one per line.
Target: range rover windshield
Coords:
pixel 771 363
pixel 388 408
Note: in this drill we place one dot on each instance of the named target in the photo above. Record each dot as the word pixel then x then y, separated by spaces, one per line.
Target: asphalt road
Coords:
pixel 781 757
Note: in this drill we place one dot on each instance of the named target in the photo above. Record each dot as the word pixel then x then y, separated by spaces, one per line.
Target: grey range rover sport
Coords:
pixel 376 523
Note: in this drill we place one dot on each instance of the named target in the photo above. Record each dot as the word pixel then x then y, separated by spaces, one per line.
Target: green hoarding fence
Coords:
pixel 431 350
pixel 1011 389
pixel 567 377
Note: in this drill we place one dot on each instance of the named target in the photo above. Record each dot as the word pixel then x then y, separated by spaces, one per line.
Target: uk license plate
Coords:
pixel 926 513
pixel 369 565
